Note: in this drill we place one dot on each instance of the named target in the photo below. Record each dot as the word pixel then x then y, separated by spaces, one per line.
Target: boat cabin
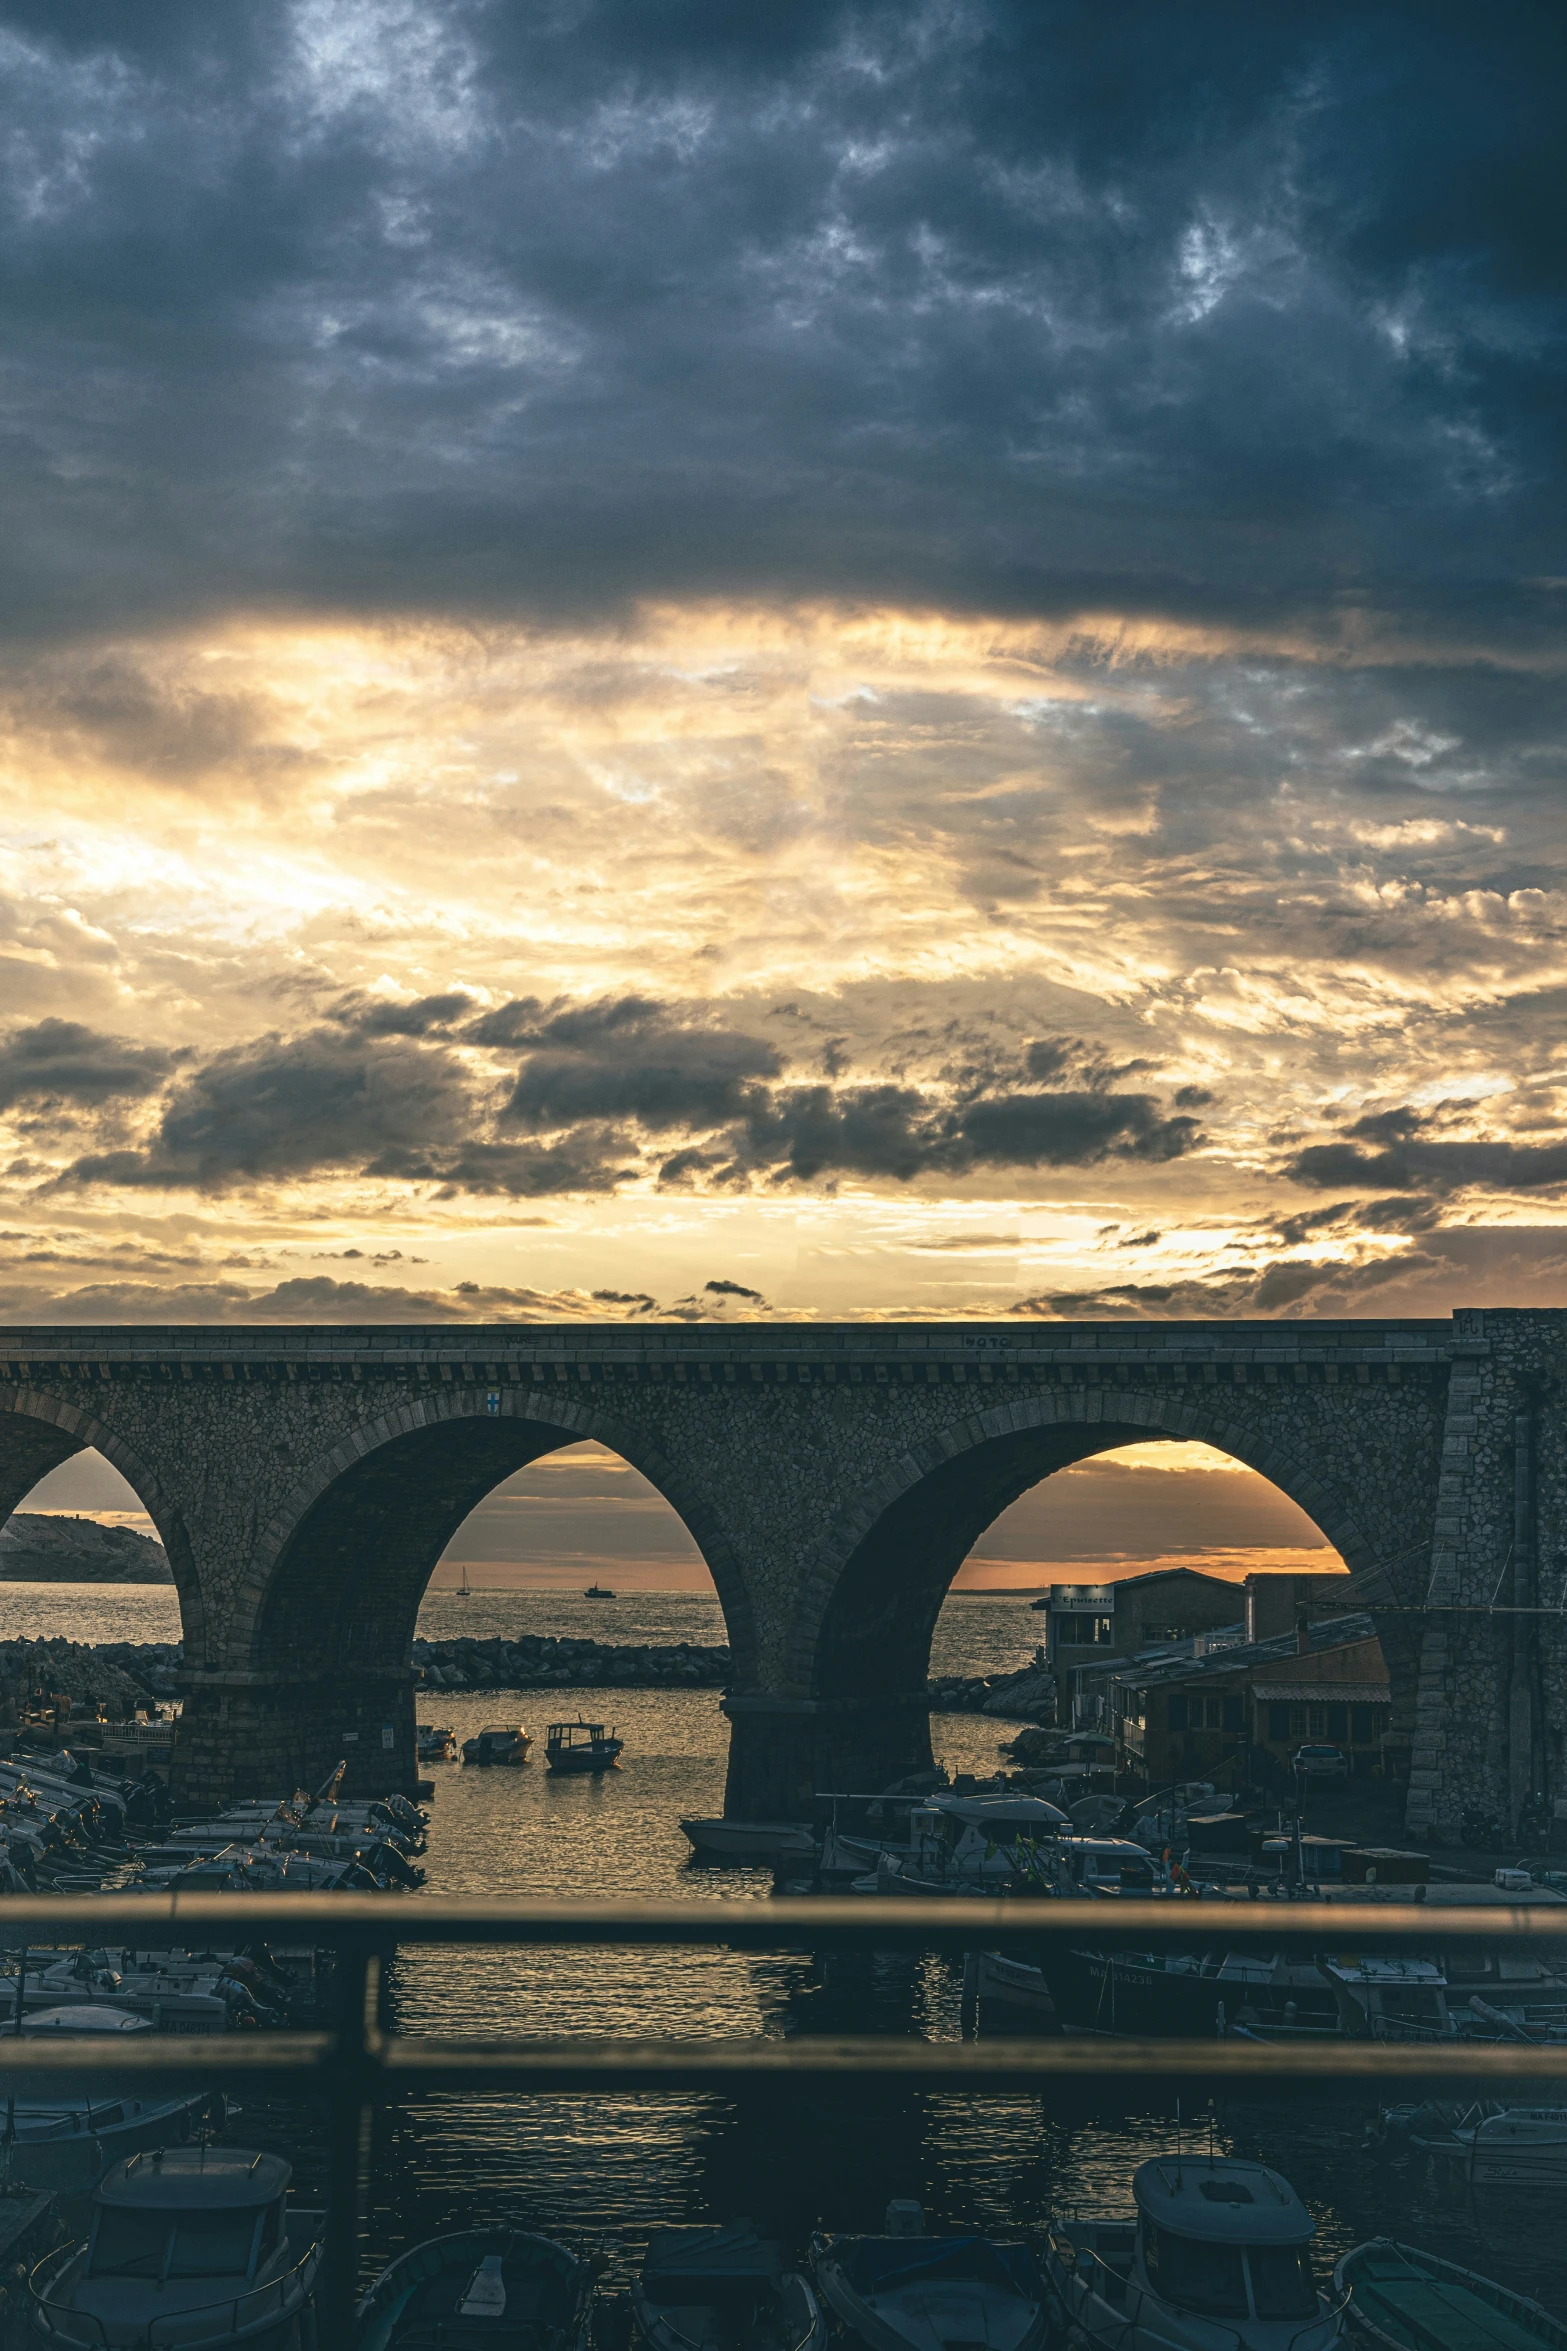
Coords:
pixel 582 1747
pixel 1107 1865
pixel 982 1836
pixel 1390 1999
pixel 1224 2238
pixel 197 2236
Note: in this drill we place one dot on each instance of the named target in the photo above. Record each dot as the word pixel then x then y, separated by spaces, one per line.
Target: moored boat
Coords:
pixel 905 2291
pixel 1213 2249
pixel 1525 2146
pixel 748 1843
pixel 500 1742
pixel 1005 1995
pixel 1400 2299
pixel 194 2246
pixel 435 1743
pixel 702 2289
pixel 502 2287
pixel 582 1746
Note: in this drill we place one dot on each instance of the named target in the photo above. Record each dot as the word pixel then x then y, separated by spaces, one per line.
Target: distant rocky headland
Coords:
pixel 38 1548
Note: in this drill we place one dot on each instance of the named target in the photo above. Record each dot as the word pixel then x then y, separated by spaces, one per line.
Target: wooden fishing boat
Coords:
pixel 582 1746
pixel 501 2287
pixel 702 2289
pixel 1401 2299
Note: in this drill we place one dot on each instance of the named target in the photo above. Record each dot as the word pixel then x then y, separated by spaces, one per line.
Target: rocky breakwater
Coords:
pixel 538 1662
pixel 118 1671
pixel 1028 1695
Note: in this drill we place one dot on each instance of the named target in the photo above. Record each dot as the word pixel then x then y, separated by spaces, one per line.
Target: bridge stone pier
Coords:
pixel 305 1481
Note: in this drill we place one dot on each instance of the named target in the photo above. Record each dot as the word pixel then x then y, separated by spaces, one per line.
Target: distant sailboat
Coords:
pixel 465 1589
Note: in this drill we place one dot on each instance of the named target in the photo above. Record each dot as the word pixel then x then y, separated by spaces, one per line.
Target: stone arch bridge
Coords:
pixel 305 1481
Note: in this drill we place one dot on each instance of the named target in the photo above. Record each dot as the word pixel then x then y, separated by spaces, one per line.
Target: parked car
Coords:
pixel 1320 1763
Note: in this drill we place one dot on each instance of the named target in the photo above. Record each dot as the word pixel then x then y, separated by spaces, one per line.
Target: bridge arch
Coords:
pixel 876 1585
pixel 315 1667
pixel 859 1659
pixel 39 1431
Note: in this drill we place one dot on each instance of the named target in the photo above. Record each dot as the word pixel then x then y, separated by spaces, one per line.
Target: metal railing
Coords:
pixel 352 2064
pixel 205 2322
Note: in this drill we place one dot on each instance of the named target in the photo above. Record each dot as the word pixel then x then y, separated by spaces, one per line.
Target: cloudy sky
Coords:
pixel 813 659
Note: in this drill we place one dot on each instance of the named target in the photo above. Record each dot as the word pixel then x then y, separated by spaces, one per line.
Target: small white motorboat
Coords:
pixel 1213 2249
pixel 434 1743
pixel 1522 2146
pixel 906 2291
pixel 704 2289
pixel 189 2245
pixel 498 1743
pixel 748 1843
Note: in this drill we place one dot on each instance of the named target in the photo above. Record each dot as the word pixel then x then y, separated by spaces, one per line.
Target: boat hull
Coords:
pixel 747 1843
pixel 1401 2299
pixel 1100 1991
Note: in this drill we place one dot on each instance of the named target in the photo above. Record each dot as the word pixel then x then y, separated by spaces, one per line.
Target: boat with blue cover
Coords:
pixel 496 2289
pixel 1401 2299
pixel 906 2291
pixel 723 2289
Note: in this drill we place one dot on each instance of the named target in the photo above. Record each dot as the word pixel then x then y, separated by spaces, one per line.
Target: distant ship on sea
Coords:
pixel 598 1592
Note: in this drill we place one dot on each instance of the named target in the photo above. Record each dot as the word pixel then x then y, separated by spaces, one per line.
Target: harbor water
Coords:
pixel 608 2169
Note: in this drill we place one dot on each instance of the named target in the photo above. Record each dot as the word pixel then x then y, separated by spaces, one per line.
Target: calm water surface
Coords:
pixel 609 2169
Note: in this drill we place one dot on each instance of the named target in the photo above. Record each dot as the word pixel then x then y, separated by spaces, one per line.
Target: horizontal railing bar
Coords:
pixel 381 1922
pixel 176 2057
pixel 390 2067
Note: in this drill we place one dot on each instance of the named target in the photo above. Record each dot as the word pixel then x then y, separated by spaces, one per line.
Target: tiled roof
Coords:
pixel 1334 1632
pixel 1324 1693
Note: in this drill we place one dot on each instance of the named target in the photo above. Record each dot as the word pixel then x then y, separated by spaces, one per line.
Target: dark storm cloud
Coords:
pixel 590 1162
pixel 279 1108
pixel 904 1132
pixel 423 1016
pixel 1412 1162
pixel 60 1061
pixel 630 1059
pixel 1019 306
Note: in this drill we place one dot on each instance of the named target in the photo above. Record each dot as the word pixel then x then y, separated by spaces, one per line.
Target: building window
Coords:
pixel 1316 1722
pixel 1278 1721
pixel 1338 1724
pixel 1297 1722
pixel 1079 1631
